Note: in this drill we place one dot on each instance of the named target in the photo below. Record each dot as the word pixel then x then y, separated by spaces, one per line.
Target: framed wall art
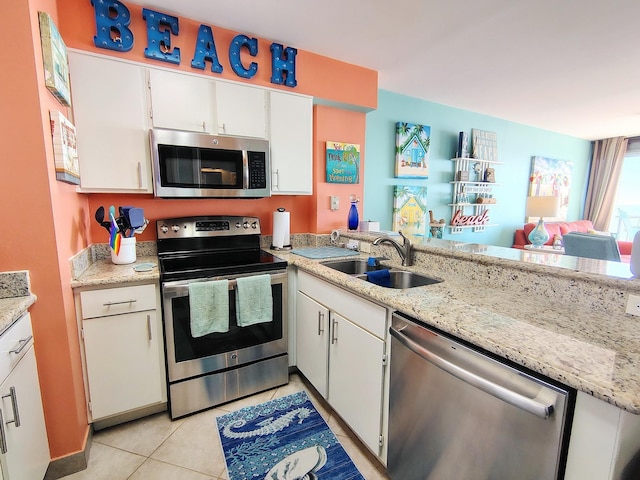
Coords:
pixel 412 150
pixel 410 209
pixel 551 177
pixel 484 144
pixel 54 58
pixel 65 149
pixel 343 162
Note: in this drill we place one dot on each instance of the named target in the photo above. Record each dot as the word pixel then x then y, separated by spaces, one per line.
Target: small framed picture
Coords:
pixel 490 175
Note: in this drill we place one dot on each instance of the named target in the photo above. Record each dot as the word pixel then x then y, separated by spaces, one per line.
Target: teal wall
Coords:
pixel 516 145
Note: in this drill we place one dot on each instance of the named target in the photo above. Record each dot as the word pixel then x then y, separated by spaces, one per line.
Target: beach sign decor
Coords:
pixel 343 162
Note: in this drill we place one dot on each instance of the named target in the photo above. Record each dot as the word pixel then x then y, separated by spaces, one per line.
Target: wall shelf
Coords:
pixel 468 186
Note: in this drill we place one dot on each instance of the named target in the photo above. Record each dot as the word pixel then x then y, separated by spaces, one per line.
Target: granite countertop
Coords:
pixel 568 338
pixel 105 272
pixel 15 297
pixel 11 309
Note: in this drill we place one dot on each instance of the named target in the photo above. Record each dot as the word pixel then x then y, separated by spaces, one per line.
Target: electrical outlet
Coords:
pixel 335 202
pixel 633 305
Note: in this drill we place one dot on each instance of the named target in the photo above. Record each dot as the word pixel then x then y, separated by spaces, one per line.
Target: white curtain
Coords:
pixel 606 164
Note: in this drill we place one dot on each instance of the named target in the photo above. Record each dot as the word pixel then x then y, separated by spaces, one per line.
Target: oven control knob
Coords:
pixel 164 228
pixel 254 225
pixel 245 224
pixel 238 225
pixel 175 228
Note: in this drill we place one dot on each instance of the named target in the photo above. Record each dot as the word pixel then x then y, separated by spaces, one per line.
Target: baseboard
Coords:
pixel 76 462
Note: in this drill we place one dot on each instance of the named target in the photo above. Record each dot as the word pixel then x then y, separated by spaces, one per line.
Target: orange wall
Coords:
pixel 45 222
pixel 335 125
pixel 48 223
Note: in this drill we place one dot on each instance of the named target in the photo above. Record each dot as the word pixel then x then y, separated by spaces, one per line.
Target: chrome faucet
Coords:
pixel 404 250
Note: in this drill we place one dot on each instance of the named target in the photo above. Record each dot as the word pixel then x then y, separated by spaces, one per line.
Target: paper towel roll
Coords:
pixel 281 229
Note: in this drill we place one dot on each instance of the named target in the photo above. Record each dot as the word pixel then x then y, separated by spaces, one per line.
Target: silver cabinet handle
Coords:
pixel 108 304
pixel 22 343
pixel 506 395
pixel 149 327
pixel 320 322
pixel 275 179
pixel 14 406
pixel 3 437
pixel 334 338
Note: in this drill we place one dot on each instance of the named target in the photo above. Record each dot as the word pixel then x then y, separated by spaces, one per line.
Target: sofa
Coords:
pixel 560 228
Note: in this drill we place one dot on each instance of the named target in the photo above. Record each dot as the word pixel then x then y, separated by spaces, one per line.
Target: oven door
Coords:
pixel 188 356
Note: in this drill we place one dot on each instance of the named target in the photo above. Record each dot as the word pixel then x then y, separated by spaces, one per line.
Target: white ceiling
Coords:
pixel 569 66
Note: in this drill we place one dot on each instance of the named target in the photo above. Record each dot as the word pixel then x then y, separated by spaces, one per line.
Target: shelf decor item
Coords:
pixel 343 162
pixel 485 145
pixel 551 177
pixel 410 210
pixel 64 148
pixel 412 150
pixel 547 206
pixel 463 145
pixel 352 218
pixel 54 58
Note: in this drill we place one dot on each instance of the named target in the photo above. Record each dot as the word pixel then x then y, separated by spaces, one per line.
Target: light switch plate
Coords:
pixel 335 202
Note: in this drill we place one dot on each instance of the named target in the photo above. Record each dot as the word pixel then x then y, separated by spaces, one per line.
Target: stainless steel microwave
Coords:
pixel 193 165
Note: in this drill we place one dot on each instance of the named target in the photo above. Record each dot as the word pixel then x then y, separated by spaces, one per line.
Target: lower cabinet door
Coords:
pixel 312 330
pixel 356 374
pixel 27 448
pixel 123 363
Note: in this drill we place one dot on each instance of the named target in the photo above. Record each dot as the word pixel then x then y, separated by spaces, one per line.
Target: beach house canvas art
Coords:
pixel 412 150
pixel 410 209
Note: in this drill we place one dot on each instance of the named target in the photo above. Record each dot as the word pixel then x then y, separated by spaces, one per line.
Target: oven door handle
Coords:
pixel 180 289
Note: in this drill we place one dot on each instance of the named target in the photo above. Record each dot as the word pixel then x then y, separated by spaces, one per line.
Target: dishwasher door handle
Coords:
pixel 509 396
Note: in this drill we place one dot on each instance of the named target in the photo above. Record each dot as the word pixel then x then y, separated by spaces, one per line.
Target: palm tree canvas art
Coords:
pixel 412 150
pixel 410 209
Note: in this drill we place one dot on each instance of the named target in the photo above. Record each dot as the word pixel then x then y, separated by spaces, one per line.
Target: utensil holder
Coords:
pixel 127 252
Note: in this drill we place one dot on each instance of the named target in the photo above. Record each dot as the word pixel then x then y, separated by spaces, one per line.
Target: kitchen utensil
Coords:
pixel 99 215
pixel 135 217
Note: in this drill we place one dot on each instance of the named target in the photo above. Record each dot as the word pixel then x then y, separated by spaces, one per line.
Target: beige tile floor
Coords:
pixel 156 448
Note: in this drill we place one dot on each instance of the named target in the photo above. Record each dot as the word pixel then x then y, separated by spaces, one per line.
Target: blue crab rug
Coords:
pixel 283 439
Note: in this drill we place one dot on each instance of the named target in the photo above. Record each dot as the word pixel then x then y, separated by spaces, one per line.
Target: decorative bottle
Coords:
pixel 352 218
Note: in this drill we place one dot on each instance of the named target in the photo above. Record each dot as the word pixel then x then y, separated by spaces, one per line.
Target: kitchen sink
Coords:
pixel 351 267
pixel 399 279
pixel 402 279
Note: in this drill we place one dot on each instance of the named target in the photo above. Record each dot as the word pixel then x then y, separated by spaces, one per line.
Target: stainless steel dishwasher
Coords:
pixel 458 414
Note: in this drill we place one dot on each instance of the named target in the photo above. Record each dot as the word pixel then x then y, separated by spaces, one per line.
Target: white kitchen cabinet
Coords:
pixel 355 366
pixel 111 120
pixel 312 334
pixel 291 139
pixel 241 110
pixel 356 378
pixel 122 338
pixel 182 102
pixel 24 448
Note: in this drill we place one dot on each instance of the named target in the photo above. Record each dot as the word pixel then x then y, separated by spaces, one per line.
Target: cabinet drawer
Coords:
pixel 367 315
pixel 17 337
pixel 114 301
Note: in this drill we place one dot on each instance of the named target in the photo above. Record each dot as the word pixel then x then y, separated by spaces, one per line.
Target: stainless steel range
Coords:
pixel 207 369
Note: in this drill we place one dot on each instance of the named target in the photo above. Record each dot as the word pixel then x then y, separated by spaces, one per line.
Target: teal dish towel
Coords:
pixel 209 305
pixel 254 303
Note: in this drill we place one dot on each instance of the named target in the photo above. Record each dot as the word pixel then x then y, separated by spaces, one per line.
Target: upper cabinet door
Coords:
pixel 291 138
pixel 241 110
pixel 110 115
pixel 182 102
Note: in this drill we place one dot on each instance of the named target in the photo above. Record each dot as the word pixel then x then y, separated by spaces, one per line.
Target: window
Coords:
pixel 625 221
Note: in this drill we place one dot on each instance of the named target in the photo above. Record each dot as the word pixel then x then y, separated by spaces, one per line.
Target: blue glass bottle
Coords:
pixel 352 219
